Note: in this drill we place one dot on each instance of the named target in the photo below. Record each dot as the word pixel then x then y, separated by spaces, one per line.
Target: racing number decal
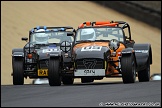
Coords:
pixel 49 50
pixel 91 48
pixel 43 72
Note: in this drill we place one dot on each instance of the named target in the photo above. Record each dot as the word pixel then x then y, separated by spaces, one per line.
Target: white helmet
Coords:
pixel 41 38
pixel 88 34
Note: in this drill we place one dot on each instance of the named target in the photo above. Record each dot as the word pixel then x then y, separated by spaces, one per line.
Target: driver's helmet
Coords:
pixel 41 38
pixel 88 34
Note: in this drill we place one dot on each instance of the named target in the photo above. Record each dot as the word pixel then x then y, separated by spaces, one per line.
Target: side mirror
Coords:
pixel 65 46
pixel 70 34
pixel 24 39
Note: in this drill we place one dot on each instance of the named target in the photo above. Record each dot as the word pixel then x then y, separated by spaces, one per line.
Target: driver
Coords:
pixel 41 38
pixel 88 34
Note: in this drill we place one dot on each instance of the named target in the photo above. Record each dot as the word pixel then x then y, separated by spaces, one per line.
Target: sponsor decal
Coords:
pixel 89 72
pixel 141 51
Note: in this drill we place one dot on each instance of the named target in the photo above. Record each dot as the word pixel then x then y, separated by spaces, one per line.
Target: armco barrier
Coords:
pixel 142 12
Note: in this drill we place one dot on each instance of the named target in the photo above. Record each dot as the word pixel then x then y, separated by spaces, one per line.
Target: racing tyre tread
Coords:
pixel 54 72
pixel 18 71
pixel 128 69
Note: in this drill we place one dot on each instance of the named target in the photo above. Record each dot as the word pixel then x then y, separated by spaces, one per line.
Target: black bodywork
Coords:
pixel 40 55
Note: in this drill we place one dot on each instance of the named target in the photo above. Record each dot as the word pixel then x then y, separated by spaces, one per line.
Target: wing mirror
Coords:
pixel 70 34
pixel 24 39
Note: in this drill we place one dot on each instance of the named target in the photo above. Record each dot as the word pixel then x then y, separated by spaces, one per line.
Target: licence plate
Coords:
pixel 42 72
pixel 89 72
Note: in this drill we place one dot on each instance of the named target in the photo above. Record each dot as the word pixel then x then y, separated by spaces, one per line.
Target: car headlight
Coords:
pixel 114 44
pixel 65 46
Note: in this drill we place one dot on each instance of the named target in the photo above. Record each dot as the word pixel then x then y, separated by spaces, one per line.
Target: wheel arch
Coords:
pixel 143 52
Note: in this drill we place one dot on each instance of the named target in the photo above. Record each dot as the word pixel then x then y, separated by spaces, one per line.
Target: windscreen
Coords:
pixel 49 37
pixel 99 33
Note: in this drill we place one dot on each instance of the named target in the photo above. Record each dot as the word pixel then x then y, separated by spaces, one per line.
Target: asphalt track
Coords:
pixel 82 95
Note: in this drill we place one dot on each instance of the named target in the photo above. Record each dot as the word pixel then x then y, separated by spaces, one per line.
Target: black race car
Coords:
pixel 106 49
pixel 34 59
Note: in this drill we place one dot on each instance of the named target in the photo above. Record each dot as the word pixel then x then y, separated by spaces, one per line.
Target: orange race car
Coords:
pixel 105 49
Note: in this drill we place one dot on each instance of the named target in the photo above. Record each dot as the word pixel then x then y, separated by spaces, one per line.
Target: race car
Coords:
pixel 35 57
pixel 106 49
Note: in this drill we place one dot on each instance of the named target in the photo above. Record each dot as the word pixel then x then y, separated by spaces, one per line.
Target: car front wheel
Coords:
pixel 128 68
pixel 18 71
pixel 54 77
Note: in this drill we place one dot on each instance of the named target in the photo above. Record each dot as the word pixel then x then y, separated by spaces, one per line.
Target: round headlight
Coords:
pixel 65 46
pixel 114 44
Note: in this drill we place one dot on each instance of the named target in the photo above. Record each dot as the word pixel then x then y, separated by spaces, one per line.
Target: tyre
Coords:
pixel 67 80
pixel 86 80
pixel 128 68
pixel 54 77
pixel 144 75
pixel 18 71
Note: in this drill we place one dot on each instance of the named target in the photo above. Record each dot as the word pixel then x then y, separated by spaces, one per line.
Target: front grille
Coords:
pixel 44 63
pixel 90 64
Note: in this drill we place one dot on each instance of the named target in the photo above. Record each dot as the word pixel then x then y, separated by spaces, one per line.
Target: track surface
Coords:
pixel 80 95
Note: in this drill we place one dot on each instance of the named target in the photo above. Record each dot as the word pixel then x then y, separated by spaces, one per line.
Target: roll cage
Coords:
pixel 67 29
pixel 123 25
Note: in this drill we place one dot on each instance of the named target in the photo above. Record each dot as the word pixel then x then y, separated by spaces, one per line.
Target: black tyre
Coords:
pixel 128 69
pixel 67 80
pixel 18 71
pixel 54 77
pixel 144 75
pixel 86 80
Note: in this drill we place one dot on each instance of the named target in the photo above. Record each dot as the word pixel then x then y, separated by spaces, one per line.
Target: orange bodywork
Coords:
pixel 111 70
pixel 112 25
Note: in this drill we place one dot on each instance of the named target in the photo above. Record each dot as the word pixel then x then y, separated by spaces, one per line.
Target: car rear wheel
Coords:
pixel 128 68
pixel 67 80
pixel 144 75
pixel 54 77
pixel 18 71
